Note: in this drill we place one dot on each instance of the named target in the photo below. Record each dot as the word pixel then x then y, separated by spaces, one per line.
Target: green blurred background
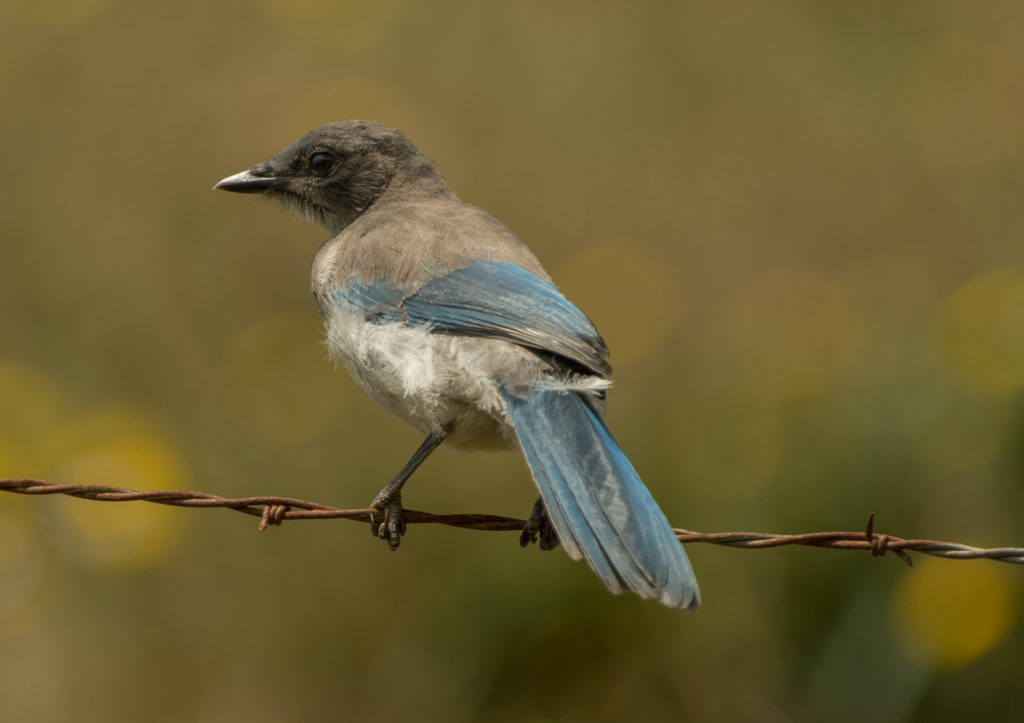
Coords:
pixel 798 225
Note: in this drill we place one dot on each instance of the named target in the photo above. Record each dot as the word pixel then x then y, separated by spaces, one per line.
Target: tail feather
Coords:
pixel 597 503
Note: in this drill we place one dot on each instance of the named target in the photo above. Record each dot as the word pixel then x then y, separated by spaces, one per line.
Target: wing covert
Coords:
pixel 490 299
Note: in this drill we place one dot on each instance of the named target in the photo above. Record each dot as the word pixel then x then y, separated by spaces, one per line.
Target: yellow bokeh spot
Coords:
pixel 33 409
pixel 123 448
pixel 983 331
pixel 950 613
pixel 277 380
pixel 13 464
pixel 62 13
pixel 629 293
pixel 790 332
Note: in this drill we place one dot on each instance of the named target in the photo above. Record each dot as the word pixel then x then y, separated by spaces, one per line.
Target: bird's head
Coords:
pixel 334 173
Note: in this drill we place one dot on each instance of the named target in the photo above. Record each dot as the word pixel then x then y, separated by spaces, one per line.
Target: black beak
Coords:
pixel 255 180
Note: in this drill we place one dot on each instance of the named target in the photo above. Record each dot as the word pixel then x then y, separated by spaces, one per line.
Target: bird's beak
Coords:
pixel 248 181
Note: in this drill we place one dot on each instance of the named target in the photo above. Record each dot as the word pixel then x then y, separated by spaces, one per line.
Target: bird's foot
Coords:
pixel 392 527
pixel 539 529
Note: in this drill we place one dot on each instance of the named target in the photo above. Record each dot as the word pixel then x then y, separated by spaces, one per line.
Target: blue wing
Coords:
pixel 491 299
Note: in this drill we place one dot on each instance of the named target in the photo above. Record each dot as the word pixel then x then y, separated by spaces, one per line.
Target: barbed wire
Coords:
pixel 274 510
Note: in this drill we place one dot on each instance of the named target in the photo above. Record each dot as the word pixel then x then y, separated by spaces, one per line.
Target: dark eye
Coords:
pixel 321 163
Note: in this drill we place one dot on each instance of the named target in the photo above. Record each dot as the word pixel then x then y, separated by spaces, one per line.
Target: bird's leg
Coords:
pixel 389 499
pixel 539 528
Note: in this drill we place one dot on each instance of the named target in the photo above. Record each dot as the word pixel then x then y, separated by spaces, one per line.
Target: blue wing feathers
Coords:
pixel 487 298
pixel 374 299
pixel 564 507
pixel 597 502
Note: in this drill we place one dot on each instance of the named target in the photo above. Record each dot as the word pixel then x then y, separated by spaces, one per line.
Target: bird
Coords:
pixel 450 323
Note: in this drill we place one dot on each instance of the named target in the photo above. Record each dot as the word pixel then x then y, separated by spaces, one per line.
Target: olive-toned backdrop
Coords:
pixel 799 226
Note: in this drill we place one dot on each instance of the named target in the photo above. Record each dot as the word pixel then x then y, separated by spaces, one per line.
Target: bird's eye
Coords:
pixel 320 163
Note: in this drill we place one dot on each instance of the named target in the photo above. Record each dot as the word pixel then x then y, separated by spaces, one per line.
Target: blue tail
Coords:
pixel 597 503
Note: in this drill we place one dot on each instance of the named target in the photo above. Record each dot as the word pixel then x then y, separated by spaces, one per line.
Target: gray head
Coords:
pixel 334 173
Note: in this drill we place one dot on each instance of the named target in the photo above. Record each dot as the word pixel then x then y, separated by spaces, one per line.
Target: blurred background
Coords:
pixel 798 225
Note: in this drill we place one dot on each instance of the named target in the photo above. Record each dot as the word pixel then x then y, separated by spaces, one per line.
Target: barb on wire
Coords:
pixel 275 510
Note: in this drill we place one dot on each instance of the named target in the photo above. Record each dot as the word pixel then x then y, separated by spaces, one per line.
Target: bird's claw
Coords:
pixel 392 527
pixel 538 528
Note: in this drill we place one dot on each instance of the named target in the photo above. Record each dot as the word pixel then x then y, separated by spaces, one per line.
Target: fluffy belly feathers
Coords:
pixel 400 367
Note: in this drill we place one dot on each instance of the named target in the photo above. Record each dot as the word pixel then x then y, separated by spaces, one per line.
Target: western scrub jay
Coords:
pixel 449 321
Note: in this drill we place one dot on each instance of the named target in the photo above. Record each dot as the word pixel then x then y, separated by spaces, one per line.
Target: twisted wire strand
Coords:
pixel 274 510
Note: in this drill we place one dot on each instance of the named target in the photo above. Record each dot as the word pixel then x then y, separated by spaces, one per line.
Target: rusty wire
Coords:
pixel 275 510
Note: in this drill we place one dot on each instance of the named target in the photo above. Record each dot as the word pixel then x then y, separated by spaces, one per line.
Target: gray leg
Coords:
pixel 389 499
pixel 539 526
